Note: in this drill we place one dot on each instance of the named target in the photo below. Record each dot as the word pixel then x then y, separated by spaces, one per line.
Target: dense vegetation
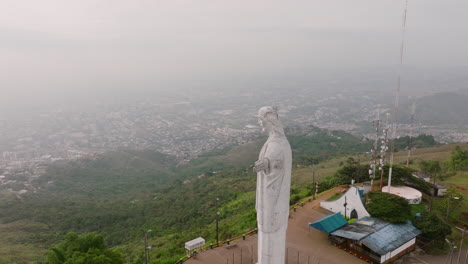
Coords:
pixel 352 170
pixel 83 249
pixel 403 176
pixel 432 226
pixel 421 141
pixel 458 160
pixel 389 207
pixel 315 145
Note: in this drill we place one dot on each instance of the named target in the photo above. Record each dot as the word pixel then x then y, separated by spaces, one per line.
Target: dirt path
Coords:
pixel 304 245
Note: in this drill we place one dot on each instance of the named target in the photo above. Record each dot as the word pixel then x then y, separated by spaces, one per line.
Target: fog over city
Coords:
pixel 58 50
pixel 99 75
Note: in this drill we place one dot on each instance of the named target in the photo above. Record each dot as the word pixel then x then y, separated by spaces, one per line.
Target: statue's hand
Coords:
pixel 261 165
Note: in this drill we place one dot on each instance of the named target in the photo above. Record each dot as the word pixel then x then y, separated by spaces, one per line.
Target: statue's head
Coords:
pixel 269 119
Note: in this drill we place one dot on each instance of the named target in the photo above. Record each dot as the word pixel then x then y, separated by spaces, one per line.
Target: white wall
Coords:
pixel 398 250
pixel 441 192
pixel 352 199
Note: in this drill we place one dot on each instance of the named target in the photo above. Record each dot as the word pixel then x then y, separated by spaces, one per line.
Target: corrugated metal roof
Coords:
pixel 390 237
pixel 360 229
pixel 330 223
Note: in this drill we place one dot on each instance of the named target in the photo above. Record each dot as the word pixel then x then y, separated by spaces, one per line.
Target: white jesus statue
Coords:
pixel 273 187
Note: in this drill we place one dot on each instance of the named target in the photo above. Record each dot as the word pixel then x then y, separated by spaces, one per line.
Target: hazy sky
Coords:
pixel 54 47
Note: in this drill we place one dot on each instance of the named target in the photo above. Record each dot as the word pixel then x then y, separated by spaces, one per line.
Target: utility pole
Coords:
pixel 147 248
pixel 435 171
pixel 461 243
pixel 452 251
pixel 450 255
pixel 313 183
pixel 345 204
pixel 295 181
pixel 217 220
pixel 316 188
pixel 448 206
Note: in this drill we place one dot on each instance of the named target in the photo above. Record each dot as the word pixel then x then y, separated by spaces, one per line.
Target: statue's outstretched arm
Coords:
pixel 262 165
pixel 272 161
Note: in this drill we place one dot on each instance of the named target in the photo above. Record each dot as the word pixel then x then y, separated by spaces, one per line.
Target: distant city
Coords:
pixel 184 127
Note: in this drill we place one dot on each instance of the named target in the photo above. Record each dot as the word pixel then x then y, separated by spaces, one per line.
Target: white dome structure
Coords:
pixel 412 195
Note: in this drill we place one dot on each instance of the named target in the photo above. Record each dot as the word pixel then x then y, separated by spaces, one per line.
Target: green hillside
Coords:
pixel 125 193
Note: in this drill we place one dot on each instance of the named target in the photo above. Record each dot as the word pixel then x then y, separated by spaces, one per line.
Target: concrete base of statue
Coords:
pixel 272 247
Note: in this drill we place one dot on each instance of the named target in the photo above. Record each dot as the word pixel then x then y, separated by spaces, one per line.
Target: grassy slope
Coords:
pixel 14 241
pixel 328 167
pixel 238 156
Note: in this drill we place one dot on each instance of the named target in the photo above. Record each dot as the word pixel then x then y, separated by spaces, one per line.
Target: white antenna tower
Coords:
pixel 383 148
pixel 373 163
pixel 397 95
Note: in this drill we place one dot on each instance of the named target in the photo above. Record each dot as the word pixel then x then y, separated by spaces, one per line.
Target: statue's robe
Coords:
pixel 272 201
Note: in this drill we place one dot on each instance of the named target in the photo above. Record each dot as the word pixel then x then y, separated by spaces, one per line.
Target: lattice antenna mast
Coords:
pixel 383 148
pixel 397 96
pixel 373 161
pixel 410 136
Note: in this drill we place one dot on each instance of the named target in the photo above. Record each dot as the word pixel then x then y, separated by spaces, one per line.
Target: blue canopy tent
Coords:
pixel 330 223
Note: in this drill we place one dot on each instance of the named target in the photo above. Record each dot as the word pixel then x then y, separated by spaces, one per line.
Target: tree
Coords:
pixel 352 171
pixel 453 200
pixel 404 176
pixel 388 207
pixel 430 167
pixel 459 159
pixel 83 249
pixel 421 141
pixel 432 227
pixel 433 168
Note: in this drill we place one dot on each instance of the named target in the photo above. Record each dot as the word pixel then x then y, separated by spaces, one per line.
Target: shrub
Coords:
pixel 388 207
pixel 81 249
pixel 431 226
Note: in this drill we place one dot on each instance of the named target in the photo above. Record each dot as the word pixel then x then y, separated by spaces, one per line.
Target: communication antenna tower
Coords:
pixel 410 136
pixel 373 162
pixel 383 148
pixel 397 96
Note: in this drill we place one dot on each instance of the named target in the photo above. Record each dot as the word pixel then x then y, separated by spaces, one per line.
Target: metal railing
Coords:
pixel 251 232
